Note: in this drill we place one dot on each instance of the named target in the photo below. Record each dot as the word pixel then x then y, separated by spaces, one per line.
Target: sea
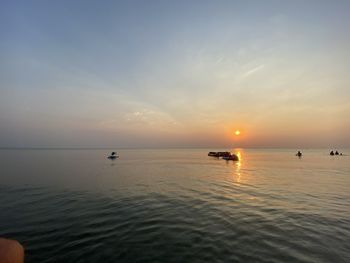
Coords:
pixel 176 205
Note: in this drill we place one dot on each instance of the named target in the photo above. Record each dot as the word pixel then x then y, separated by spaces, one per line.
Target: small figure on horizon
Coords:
pixel 331 153
pixel 336 153
pixel 299 154
pixel 113 156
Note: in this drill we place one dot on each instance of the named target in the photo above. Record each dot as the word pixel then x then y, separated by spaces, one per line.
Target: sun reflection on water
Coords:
pixel 238 165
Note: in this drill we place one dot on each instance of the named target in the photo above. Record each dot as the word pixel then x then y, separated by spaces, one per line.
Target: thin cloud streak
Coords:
pixel 253 71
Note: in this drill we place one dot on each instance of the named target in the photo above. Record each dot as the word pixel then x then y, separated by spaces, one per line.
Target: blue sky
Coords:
pixel 174 73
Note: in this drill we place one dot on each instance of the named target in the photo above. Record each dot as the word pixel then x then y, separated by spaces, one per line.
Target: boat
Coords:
pixel 113 156
pixel 225 155
pixel 219 154
pixel 231 157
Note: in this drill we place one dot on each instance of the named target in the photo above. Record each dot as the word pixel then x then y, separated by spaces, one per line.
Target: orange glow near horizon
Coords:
pixel 237 132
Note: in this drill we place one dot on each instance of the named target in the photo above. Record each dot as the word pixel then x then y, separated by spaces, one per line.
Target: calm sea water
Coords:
pixel 176 206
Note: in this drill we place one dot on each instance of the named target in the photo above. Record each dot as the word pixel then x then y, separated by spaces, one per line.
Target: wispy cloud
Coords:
pixel 253 70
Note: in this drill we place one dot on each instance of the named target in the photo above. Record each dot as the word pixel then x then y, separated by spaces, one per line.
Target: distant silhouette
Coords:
pixel 299 154
pixel 113 156
pixel 331 153
pixel 219 154
pixel 225 155
pixel 336 153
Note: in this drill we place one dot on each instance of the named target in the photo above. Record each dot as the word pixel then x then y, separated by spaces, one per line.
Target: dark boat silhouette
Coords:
pixel 113 156
pixel 219 154
pixel 225 155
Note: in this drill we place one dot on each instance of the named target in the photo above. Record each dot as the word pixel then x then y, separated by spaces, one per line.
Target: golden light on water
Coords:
pixel 238 153
pixel 238 167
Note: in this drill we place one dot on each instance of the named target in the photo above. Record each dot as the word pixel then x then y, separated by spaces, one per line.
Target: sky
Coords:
pixel 175 73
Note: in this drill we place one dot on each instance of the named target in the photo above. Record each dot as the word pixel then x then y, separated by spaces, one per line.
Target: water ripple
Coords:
pixel 179 210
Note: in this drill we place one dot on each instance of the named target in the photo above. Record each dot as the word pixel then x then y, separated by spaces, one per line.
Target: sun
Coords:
pixel 237 132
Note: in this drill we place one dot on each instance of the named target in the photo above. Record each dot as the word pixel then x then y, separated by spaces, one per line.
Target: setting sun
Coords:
pixel 237 132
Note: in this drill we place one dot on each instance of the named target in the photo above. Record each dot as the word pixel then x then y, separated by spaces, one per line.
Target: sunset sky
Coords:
pixel 175 73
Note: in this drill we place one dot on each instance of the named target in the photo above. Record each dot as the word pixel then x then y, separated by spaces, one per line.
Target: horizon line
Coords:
pixel 159 148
